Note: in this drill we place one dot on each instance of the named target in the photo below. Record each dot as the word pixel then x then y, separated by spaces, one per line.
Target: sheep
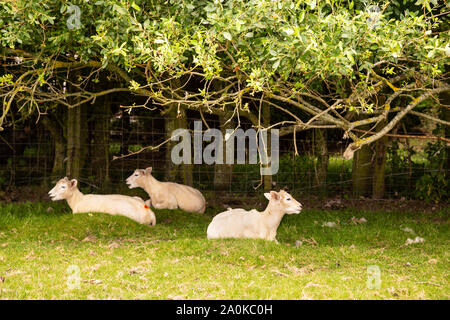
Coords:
pixel 240 223
pixel 115 204
pixel 167 195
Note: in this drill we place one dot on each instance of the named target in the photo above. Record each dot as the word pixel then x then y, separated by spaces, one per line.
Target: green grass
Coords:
pixel 120 259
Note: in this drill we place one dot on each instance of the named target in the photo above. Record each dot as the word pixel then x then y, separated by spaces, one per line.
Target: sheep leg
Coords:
pixel 272 237
pixel 162 205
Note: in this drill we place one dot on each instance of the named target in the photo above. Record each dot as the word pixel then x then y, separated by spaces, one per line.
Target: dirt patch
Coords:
pixel 256 200
pixel 24 194
pixel 225 201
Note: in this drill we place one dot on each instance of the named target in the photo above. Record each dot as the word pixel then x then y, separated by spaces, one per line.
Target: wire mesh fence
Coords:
pixel 27 158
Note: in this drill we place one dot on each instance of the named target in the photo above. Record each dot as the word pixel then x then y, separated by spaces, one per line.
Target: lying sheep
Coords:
pixel 130 207
pixel 240 223
pixel 167 195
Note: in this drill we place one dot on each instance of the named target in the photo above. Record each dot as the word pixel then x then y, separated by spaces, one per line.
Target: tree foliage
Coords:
pixel 322 64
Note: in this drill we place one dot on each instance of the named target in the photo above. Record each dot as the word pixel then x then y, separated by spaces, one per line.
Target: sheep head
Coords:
pixel 63 189
pixel 284 201
pixel 137 179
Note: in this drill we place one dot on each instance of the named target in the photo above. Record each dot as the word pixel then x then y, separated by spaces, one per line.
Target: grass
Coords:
pixel 119 259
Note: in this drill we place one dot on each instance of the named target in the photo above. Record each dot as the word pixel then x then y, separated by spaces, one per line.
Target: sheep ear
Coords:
pixel 267 195
pixel 274 195
pixel 65 178
pixel 148 170
pixel 73 183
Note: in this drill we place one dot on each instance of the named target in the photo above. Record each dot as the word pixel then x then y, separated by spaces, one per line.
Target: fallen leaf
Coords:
pixel 299 271
pixel 176 297
pixel 311 284
pixel 311 241
pixel 279 273
pixel 415 240
pixel 114 245
pixel 329 224
pixel 94 281
pixel 146 261
pixel 355 220
pixel 90 238
pixel 137 270
pixel 406 229
pixel 13 272
pixel 336 203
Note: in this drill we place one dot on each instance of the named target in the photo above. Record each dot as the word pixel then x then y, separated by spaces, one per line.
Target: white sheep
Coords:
pixel 167 195
pixel 240 223
pixel 115 204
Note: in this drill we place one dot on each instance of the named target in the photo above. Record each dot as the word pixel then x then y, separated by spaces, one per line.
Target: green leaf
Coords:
pixel 135 6
pixel 227 36
pixel 302 17
pixel 289 31
pixel 312 4
pixel 350 57
pixel 276 64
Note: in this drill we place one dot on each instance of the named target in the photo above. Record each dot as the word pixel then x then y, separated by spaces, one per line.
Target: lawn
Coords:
pixel 52 254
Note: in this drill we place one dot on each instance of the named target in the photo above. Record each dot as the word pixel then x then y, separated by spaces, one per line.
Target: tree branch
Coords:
pixel 349 152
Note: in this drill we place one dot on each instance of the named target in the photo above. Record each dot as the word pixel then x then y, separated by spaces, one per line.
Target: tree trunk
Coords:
pixel 445 100
pixel 171 124
pixel 101 142
pixel 175 118
pixel 223 173
pixel 56 133
pixel 84 133
pixel 379 167
pixel 361 172
pixel 447 133
pixel 267 179
pixel 321 152
pixel 186 169
pixel 74 136
pixel 126 131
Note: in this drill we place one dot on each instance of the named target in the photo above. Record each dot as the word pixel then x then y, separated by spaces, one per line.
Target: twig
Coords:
pixel 406 136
